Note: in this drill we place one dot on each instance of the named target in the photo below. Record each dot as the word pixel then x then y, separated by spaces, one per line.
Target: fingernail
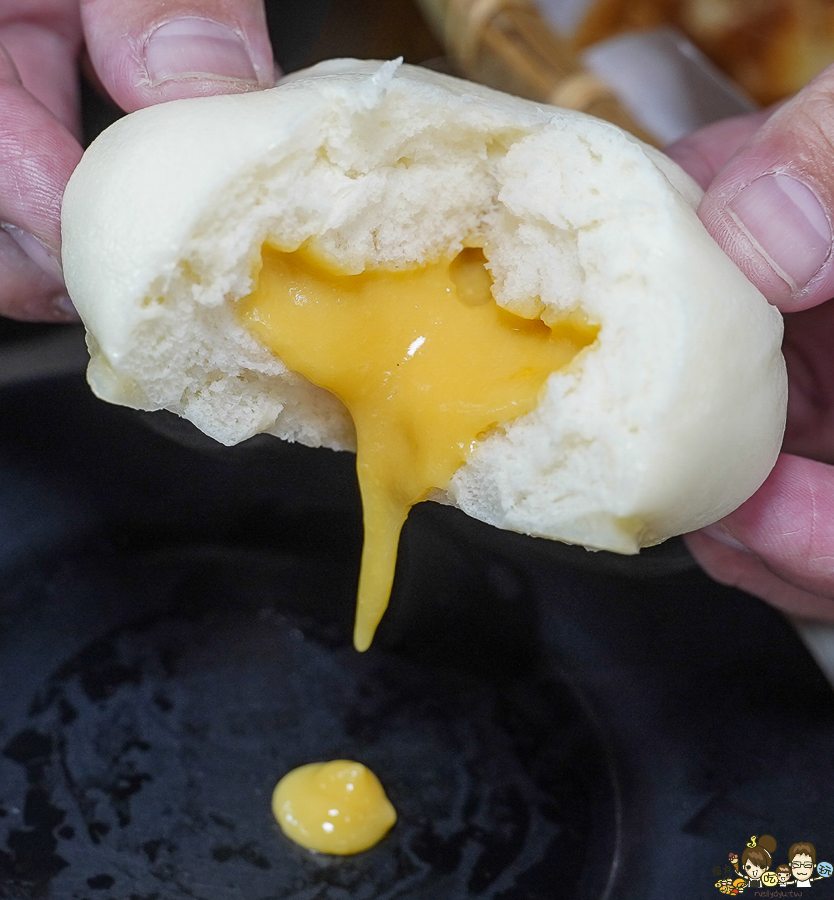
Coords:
pixel 788 223
pixel 719 532
pixel 35 249
pixel 194 47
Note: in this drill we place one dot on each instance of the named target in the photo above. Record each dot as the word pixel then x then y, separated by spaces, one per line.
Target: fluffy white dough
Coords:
pixel 668 421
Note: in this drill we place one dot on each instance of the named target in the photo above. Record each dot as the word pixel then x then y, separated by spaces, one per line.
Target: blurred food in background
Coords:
pixel 657 67
pixel 769 47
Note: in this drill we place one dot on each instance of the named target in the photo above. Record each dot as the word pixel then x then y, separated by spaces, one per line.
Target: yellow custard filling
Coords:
pixel 425 361
pixel 335 807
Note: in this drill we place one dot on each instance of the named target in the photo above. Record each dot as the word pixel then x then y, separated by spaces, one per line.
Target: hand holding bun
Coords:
pixel 666 416
pixel 770 204
pixel 140 53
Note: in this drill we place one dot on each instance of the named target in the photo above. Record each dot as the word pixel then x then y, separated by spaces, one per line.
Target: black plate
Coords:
pixel 174 635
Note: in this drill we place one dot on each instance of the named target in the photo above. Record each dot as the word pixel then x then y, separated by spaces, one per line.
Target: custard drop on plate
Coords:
pixel 336 807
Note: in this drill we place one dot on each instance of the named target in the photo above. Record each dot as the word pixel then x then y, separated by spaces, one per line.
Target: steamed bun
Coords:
pixel 670 420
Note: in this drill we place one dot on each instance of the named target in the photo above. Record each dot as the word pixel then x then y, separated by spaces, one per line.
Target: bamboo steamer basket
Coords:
pixel 771 48
pixel 509 45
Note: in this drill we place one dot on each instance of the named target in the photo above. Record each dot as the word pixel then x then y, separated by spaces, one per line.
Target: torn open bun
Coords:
pixel 669 420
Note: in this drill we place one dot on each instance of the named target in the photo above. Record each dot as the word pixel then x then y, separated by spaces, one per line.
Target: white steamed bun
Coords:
pixel 668 422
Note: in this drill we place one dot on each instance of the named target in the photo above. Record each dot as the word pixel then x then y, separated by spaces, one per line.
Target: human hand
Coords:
pixel 140 53
pixel 769 204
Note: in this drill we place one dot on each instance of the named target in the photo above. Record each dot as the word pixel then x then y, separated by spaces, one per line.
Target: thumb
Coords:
pixel 771 207
pixel 147 51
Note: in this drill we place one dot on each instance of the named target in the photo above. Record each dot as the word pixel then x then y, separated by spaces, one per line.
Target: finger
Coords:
pixel 743 570
pixel 37 156
pixel 27 291
pixel 779 545
pixel 46 60
pixel 148 51
pixel 771 205
pixel 706 151
pixel 809 337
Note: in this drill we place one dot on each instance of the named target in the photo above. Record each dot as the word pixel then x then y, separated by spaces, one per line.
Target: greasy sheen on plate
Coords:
pixel 239 259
